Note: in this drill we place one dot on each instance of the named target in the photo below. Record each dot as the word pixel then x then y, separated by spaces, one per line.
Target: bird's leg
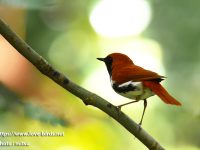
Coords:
pixel 145 105
pixel 120 106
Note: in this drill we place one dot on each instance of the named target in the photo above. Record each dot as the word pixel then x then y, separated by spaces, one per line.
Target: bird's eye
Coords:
pixel 109 58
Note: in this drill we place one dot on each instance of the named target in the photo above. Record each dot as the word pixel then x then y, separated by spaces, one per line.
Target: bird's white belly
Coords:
pixel 138 91
pixel 138 95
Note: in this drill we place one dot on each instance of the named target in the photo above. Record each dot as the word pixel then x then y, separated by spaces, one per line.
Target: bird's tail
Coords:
pixel 157 88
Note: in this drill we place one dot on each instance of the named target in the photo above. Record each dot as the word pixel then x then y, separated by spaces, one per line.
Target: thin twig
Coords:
pixel 86 96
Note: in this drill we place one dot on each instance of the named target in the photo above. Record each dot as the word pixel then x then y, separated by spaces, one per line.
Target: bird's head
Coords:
pixel 115 60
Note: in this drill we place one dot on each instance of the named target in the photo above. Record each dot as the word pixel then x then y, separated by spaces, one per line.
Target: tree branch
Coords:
pixel 86 96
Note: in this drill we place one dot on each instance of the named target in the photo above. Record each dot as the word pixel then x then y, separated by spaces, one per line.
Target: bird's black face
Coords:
pixel 108 61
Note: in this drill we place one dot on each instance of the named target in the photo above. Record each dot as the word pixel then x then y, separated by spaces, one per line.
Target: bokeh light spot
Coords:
pixel 113 18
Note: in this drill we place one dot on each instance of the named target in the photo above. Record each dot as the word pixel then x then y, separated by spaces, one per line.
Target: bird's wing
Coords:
pixel 134 73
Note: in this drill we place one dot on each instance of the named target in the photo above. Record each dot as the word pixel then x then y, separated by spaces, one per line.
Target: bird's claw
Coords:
pixel 140 126
pixel 119 107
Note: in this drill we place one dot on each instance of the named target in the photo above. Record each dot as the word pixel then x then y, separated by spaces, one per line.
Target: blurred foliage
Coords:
pixel 30 4
pixel 175 24
pixel 11 102
pixel 60 31
pixel 8 100
pixel 43 115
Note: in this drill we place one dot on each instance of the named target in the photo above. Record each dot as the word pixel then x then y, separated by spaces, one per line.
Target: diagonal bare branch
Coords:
pixel 86 96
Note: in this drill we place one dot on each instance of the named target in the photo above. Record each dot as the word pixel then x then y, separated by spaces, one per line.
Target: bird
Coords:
pixel 135 82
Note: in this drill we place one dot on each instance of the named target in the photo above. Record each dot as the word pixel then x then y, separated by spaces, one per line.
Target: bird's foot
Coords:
pixel 140 126
pixel 118 108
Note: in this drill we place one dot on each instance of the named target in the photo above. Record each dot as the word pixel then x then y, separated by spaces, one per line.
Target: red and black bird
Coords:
pixel 135 82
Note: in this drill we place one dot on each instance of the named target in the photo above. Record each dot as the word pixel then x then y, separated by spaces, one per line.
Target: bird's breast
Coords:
pixel 132 90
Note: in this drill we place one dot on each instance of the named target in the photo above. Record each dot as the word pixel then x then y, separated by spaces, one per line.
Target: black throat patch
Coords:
pixel 108 61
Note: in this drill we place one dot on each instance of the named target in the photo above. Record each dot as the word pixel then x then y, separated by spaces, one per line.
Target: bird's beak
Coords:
pixel 101 59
